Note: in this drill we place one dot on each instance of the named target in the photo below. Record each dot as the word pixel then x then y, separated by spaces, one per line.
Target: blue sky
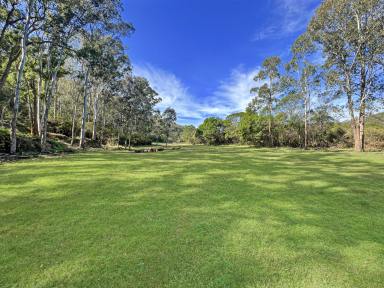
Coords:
pixel 201 55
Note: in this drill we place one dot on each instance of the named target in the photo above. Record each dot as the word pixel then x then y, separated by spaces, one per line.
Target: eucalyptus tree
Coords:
pixel 112 64
pixel 136 106
pixel 62 24
pixel 32 14
pixel 103 18
pixel 267 93
pixel 350 33
pixel 169 118
pixel 66 20
pixel 304 76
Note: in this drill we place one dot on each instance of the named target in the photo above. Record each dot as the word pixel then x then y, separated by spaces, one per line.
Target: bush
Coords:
pixel 213 131
pixel 26 143
pixel 375 138
pixel 4 141
pixel 59 127
pixel 336 135
pixel 136 140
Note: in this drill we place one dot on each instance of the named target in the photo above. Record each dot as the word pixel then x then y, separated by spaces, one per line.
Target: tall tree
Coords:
pixel 350 35
pixel 267 93
pixel 169 121
pixel 304 76
pixel 32 16
pixel 136 106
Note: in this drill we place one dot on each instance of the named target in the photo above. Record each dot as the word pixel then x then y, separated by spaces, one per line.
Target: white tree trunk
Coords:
pixel 20 71
pixel 74 123
pixel 95 116
pixel 50 93
pixel 84 115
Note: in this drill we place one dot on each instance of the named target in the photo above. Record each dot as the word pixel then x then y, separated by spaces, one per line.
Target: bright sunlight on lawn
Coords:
pixel 197 217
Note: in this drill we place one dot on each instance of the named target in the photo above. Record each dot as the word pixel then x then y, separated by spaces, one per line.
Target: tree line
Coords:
pixel 65 70
pixel 335 71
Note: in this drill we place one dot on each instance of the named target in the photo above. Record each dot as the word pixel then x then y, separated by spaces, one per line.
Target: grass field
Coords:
pixel 196 217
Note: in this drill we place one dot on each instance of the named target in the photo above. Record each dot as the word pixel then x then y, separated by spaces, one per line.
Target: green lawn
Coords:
pixel 196 217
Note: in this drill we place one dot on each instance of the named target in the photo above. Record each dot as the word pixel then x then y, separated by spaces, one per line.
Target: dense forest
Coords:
pixel 329 93
pixel 66 78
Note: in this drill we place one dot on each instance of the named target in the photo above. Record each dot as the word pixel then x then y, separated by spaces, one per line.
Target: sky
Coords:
pixel 201 55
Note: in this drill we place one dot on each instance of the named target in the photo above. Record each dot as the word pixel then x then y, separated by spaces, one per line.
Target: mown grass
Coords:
pixel 197 217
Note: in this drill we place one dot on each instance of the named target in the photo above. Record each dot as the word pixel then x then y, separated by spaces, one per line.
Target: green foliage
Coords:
pixel 28 144
pixel 189 134
pixel 252 129
pixel 213 131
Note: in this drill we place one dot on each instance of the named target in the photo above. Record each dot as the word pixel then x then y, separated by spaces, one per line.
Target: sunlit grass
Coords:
pixel 196 217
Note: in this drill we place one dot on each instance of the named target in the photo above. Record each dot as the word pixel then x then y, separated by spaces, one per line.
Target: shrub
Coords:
pixel 26 143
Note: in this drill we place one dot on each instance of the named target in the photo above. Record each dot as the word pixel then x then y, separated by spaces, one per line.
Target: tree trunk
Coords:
pixel 30 114
pixel 73 124
pixel 13 55
pixel 356 133
pixel 36 115
pixel 95 116
pixel 270 127
pixel 362 131
pixel 50 92
pixel 363 87
pixel 44 118
pixel 54 106
pixel 39 90
pixel 20 71
pixel 305 126
pixel 354 124
pixel 2 112
pixel 104 123
pixel 270 117
pixel 84 115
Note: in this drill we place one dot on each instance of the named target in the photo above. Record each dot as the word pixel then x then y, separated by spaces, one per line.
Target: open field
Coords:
pixel 196 217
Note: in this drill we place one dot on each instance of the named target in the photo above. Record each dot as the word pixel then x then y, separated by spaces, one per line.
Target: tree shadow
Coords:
pixel 205 217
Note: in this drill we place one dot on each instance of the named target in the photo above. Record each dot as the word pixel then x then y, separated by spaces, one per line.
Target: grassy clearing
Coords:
pixel 197 217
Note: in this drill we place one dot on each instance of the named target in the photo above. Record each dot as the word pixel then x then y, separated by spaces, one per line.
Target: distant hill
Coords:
pixel 376 119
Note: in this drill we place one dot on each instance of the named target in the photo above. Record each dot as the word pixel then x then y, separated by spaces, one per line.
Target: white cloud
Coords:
pixel 232 95
pixel 171 90
pixel 290 16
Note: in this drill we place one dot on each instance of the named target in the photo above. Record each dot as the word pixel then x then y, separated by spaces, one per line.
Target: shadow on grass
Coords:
pixel 199 217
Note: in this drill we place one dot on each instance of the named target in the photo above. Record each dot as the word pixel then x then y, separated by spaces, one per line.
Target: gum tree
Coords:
pixel 350 33
pixel 267 93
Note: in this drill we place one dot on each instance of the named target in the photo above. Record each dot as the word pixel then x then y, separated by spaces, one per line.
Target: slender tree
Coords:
pixel 304 77
pixel 267 93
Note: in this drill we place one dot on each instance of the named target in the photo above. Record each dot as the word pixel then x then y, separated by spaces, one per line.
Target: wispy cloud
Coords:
pixel 173 92
pixel 290 16
pixel 232 94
